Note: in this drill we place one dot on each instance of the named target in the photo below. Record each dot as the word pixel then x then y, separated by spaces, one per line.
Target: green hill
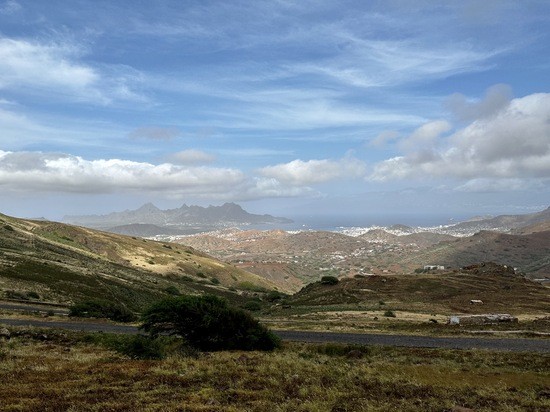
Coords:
pixel 64 264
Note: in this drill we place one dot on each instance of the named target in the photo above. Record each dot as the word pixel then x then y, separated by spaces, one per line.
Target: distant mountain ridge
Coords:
pixel 170 221
pixel 503 223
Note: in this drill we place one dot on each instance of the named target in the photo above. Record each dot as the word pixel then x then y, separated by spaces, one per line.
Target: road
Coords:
pixel 499 344
pixel 18 306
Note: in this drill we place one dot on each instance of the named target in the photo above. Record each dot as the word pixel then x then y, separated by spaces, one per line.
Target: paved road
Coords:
pixel 515 345
pixel 33 307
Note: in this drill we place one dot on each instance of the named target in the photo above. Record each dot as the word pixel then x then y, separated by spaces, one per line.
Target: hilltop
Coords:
pixel 503 223
pixel 64 263
pixel 441 293
pixel 529 253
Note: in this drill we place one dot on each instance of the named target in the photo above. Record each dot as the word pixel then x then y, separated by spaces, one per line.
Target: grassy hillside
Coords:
pixel 432 293
pixel 529 253
pixel 70 372
pixel 63 263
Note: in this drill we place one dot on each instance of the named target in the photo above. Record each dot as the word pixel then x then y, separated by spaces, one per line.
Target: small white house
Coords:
pixel 434 267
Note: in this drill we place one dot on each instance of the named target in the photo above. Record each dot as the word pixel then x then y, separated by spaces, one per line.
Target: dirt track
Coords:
pixel 515 345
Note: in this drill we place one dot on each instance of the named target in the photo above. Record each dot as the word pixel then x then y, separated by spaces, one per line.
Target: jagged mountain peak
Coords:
pixel 185 218
pixel 148 207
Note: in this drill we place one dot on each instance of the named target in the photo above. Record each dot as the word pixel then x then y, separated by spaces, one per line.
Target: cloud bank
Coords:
pixel 27 171
pixel 301 173
pixel 63 173
pixel 512 143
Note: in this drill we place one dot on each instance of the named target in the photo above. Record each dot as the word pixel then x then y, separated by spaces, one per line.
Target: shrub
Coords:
pixel 389 314
pixel 172 290
pixel 215 281
pixel 274 295
pixel 33 295
pixel 99 308
pixel 249 286
pixel 14 294
pixel 252 306
pixel 329 280
pixel 207 323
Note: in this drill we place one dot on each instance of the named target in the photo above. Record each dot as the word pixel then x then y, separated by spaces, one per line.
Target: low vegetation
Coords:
pixel 329 280
pixel 207 323
pixel 98 308
pixel 58 263
pixel 47 370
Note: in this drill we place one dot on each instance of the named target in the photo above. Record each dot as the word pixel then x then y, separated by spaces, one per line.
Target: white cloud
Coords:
pixel 50 172
pixel 385 137
pixel 54 70
pixel 424 137
pixel 191 156
pixel 496 99
pixel 271 187
pixel 366 62
pixel 512 144
pixel 302 173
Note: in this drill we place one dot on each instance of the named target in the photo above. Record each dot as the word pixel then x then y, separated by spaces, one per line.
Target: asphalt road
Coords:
pixel 499 344
pixel 33 307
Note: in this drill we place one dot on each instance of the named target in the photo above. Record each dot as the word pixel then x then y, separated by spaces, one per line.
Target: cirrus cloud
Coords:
pixel 54 69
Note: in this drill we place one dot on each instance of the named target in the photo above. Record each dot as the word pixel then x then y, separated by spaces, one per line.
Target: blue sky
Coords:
pixel 357 108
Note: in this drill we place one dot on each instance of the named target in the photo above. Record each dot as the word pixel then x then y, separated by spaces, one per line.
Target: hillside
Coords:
pixel 446 293
pixel 63 263
pixel 529 253
pixel 503 223
pixel 292 260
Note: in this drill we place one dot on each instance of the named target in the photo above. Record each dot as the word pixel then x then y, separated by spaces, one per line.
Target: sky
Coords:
pixel 318 108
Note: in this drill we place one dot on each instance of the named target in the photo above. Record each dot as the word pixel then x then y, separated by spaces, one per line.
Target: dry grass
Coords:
pixel 62 373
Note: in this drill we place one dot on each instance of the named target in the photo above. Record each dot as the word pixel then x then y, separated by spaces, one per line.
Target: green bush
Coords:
pixel 98 308
pixel 389 314
pixel 329 280
pixel 172 290
pixel 33 295
pixel 253 306
pixel 14 294
pixel 273 295
pixel 207 323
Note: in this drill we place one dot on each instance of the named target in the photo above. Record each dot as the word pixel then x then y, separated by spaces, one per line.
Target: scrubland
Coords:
pixel 55 371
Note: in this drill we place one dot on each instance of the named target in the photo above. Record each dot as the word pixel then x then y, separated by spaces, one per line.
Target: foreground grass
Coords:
pixel 57 371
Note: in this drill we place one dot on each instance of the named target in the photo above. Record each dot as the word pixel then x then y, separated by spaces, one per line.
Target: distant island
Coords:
pixel 149 220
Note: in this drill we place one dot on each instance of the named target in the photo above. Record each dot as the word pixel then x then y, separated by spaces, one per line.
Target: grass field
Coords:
pixel 47 370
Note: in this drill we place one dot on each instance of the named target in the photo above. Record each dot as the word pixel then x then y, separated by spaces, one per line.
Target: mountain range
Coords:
pixel 149 220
